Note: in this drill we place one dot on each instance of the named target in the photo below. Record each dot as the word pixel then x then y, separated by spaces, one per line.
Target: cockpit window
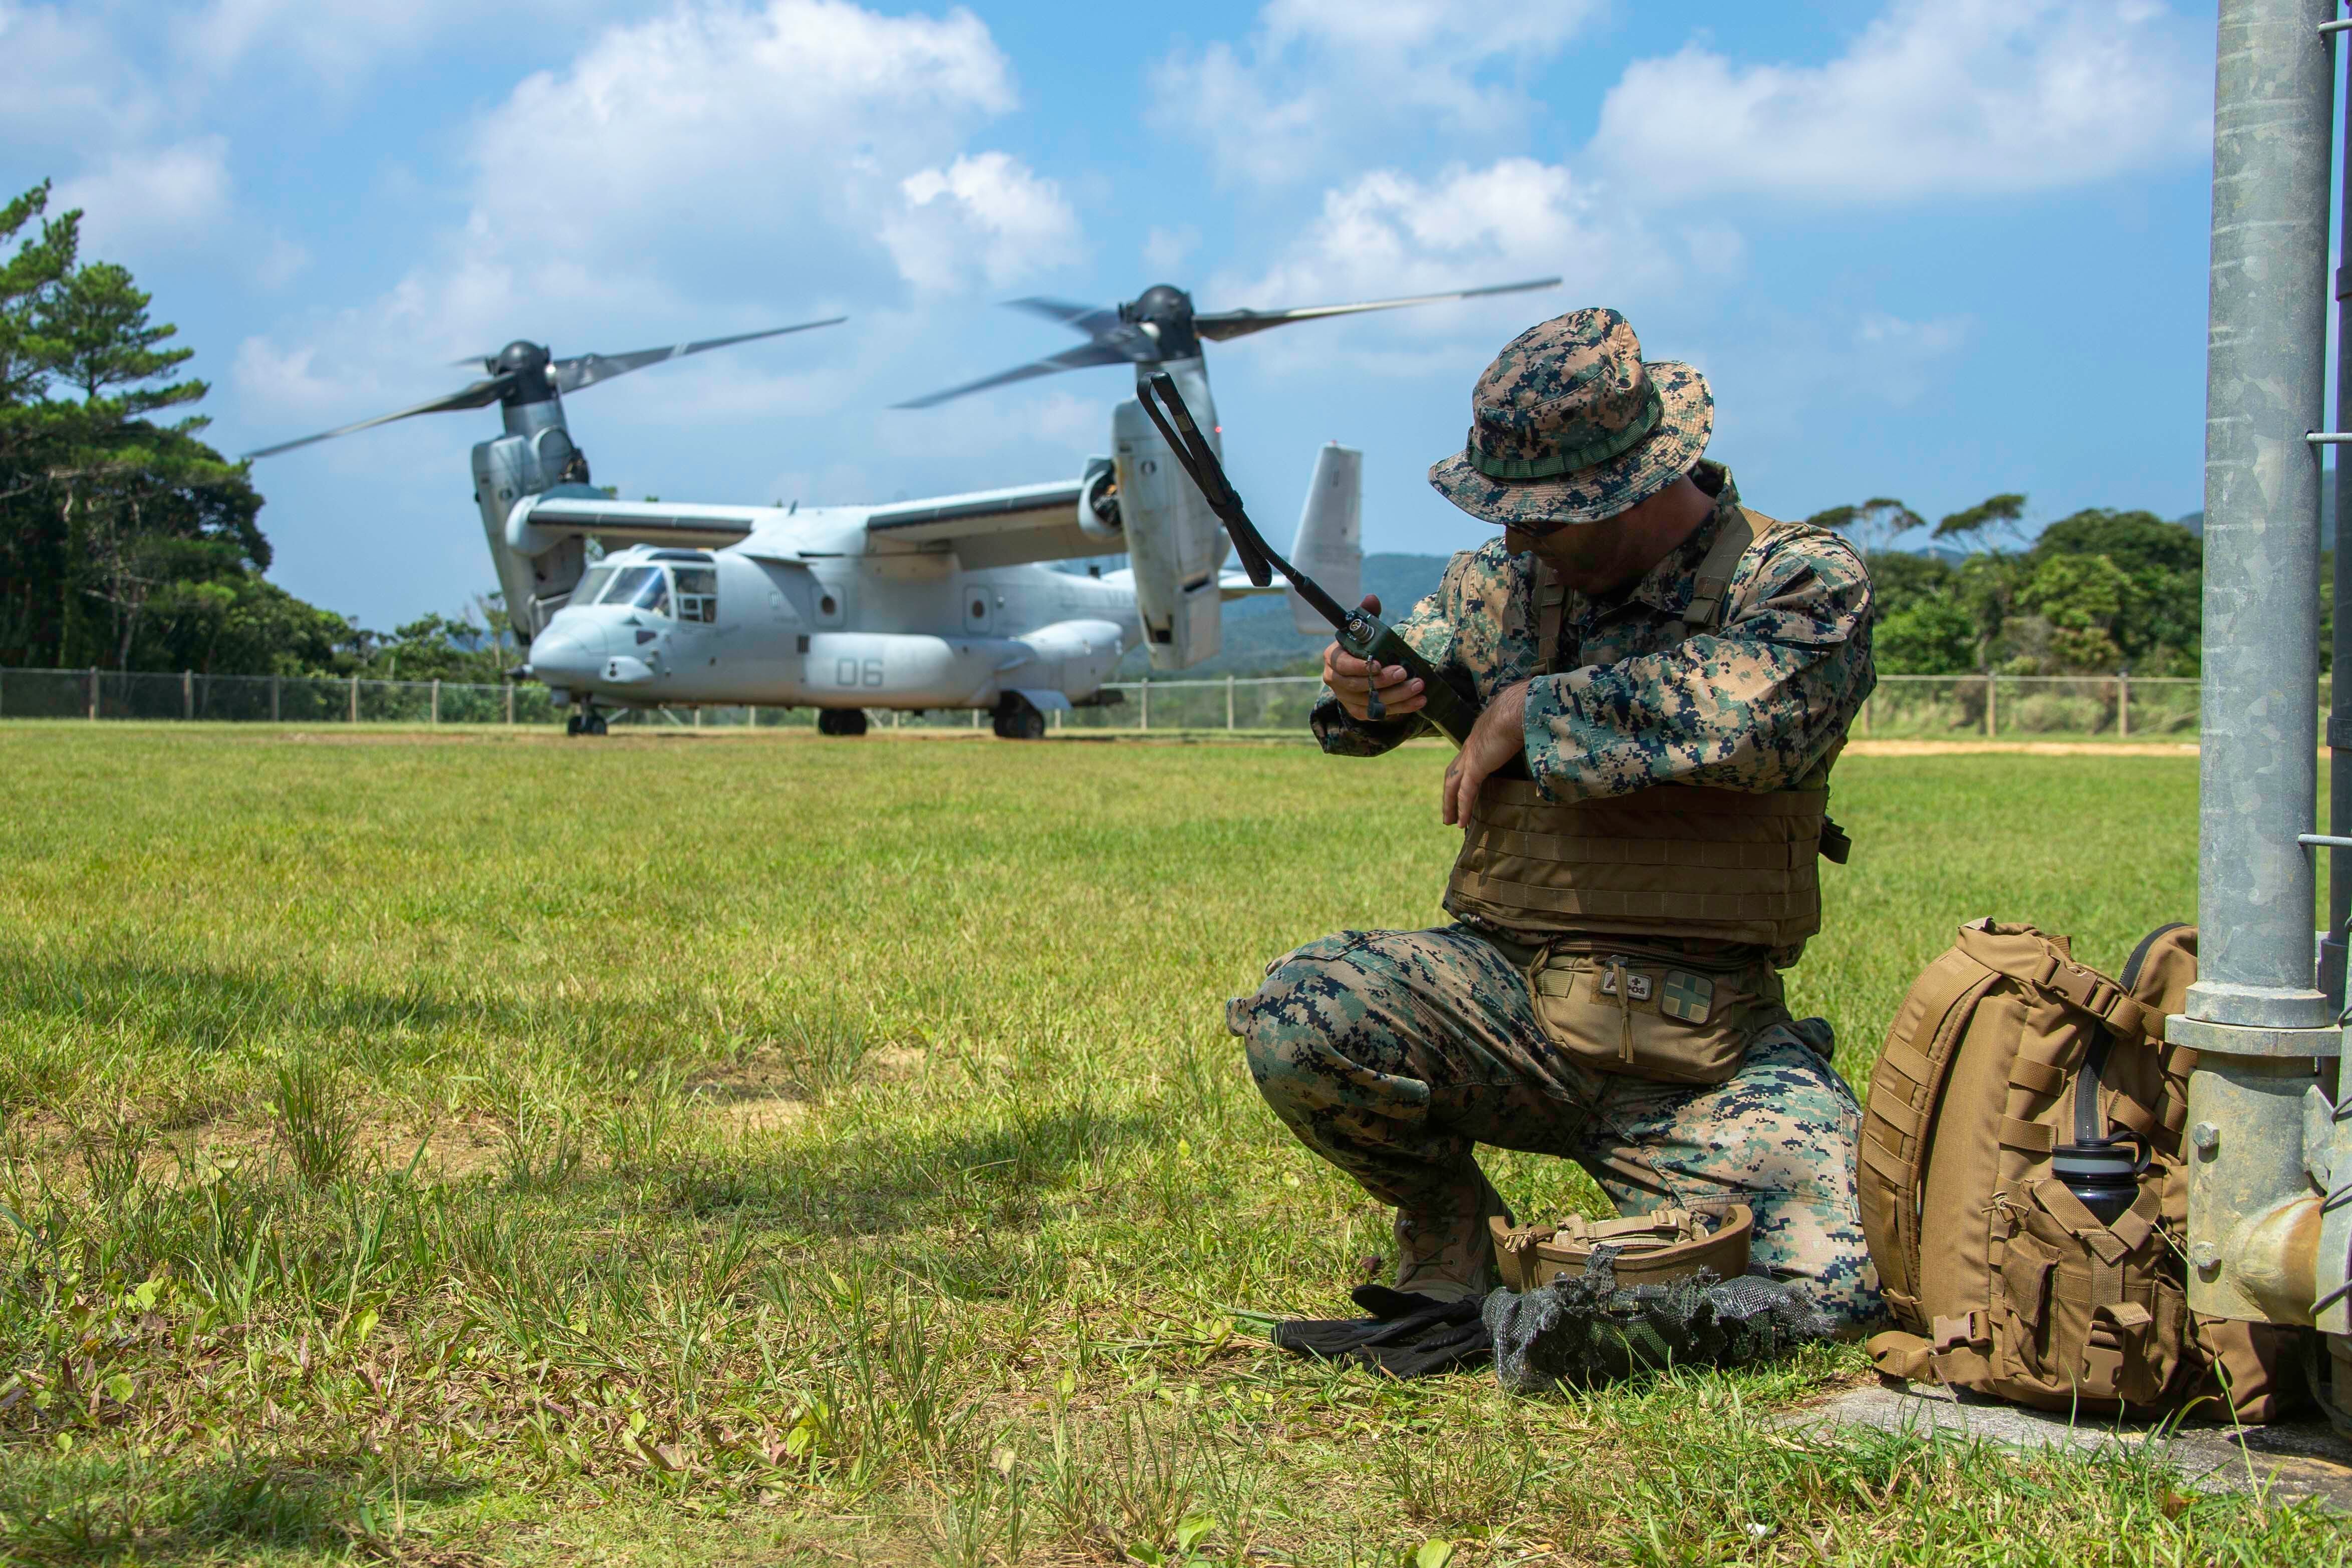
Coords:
pixel 641 587
pixel 698 594
pixel 591 584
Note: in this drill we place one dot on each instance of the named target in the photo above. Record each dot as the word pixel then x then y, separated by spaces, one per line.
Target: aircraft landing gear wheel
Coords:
pixel 1017 720
pixel 841 721
pixel 594 724
pixel 572 724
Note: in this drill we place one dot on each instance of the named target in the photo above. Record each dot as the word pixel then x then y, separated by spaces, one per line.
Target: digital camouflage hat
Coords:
pixel 1569 425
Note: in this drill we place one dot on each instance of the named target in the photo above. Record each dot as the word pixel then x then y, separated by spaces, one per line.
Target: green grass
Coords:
pixel 481 1147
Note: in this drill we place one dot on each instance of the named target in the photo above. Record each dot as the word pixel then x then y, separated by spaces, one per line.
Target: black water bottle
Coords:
pixel 2103 1172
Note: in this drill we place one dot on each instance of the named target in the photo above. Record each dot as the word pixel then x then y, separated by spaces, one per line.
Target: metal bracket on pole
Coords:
pixel 2205 1037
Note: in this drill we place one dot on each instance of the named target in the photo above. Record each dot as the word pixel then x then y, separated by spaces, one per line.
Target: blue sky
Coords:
pixel 1931 251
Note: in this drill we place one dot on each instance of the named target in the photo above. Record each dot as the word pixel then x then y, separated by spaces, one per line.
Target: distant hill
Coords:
pixel 1260 640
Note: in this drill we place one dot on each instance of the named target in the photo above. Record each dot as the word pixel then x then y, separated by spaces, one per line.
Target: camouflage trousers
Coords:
pixel 1392 1054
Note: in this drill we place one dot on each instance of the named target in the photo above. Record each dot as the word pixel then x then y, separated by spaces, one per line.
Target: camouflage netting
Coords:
pixel 1585 1330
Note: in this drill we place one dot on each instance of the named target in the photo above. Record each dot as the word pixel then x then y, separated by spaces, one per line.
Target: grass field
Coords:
pixel 481 1147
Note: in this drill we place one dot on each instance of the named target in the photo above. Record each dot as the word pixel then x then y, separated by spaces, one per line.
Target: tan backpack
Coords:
pixel 2023 1192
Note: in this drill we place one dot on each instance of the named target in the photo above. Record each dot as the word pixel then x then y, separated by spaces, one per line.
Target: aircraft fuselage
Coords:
pixel 803 613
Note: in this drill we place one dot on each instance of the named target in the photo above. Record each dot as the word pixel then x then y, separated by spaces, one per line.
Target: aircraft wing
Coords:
pixel 990 528
pixel 576 510
pixel 1232 585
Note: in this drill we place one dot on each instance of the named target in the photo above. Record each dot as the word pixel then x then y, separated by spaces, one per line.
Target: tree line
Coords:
pixel 127 541
pixel 2093 594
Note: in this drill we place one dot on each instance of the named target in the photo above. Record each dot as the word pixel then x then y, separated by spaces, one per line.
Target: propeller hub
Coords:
pixel 1164 312
pixel 528 364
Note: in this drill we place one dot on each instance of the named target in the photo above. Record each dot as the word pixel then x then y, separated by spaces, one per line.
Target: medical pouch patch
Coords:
pixel 1688 996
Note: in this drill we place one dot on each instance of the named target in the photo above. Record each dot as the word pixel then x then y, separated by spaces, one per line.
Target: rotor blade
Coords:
pixel 587 370
pixel 1094 320
pixel 1224 324
pixel 1078 358
pixel 481 394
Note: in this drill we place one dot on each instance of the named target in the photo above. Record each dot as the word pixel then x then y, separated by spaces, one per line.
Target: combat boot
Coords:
pixel 1444 1251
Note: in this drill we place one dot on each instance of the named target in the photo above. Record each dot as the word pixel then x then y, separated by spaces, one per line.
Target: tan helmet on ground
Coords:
pixel 1665 1245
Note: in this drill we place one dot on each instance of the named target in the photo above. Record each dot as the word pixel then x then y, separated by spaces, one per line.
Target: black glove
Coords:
pixel 1408 1335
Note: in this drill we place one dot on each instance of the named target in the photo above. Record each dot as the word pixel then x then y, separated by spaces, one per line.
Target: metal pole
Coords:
pixel 1993 726
pixel 2267 353
pixel 2339 711
pixel 355 699
pixel 510 686
pixel 433 712
pixel 1229 704
pixel 93 691
pixel 2255 1015
pixel 1147 703
pixel 273 683
pixel 2122 706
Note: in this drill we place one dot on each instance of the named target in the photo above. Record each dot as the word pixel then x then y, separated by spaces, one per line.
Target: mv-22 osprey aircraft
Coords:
pixel 938 604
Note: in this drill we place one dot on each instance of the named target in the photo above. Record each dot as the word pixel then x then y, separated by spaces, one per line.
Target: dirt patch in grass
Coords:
pixel 2022 748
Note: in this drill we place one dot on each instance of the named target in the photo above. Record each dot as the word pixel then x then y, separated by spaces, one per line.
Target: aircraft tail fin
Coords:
pixel 1330 547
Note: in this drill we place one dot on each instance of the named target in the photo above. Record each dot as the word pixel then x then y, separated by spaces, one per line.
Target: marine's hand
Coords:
pixel 1351 680
pixel 1499 735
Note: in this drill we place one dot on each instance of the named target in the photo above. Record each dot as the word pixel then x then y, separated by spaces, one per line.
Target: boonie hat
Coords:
pixel 1569 426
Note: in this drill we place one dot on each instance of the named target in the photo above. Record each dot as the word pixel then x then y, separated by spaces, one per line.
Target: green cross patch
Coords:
pixel 1688 996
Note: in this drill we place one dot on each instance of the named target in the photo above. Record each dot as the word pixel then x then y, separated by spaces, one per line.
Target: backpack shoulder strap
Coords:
pixel 1904 1087
pixel 1551 599
pixel 1705 612
pixel 2032 959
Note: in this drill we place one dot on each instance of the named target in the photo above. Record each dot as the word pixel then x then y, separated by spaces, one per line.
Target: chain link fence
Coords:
pixel 2028 707
pixel 1904 707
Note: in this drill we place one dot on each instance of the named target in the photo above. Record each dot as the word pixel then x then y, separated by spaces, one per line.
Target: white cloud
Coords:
pixel 284 261
pixel 338 36
pixel 1896 358
pixel 62 78
pixel 724 165
pixel 279 381
pixel 177 192
pixel 1165 249
pixel 722 120
pixel 1966 96
pixel 339 42
pixel 1319 75
pixel 985 212
pixel 1388 233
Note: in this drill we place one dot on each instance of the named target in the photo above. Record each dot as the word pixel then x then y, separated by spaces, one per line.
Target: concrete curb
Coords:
pixel 2293 1460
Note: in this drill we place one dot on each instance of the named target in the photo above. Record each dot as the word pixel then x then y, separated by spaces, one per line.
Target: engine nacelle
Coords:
pixel 1099 513
pixel 507 469
pixel 1174 542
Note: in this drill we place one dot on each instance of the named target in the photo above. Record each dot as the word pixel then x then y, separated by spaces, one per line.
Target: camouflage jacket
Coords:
pixel 1753 705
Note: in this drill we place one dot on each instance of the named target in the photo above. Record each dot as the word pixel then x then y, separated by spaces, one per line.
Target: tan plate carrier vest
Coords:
pixel 1672 860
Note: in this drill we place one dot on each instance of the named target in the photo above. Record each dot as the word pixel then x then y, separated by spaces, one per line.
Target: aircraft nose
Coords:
pixel 559 656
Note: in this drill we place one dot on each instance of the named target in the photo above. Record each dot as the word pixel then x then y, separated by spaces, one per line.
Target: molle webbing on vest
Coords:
pixel 1674 860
